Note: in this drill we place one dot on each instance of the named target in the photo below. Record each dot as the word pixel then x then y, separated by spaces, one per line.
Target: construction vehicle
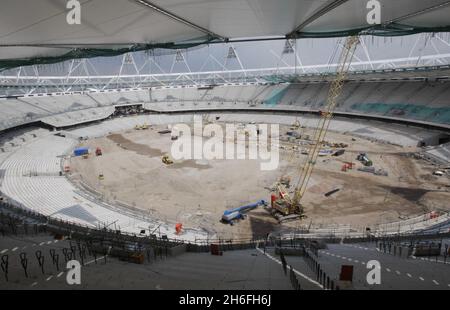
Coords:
pixel 294 134
pixel 80 151
pixel 98 152
pixel 141 127
pixel 166 160
pixel 283 206
pixel 438 173
pixel 362 157
pixel 232 215
pixel 296 124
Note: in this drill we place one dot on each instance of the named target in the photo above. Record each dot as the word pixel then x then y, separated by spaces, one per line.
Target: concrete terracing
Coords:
pixel 32 179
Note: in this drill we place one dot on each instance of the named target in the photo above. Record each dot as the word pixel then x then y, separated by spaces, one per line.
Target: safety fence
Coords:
pixel 11 224
pixel 52 258
pixel 311 259
pixel 48 258
pixel 433 251
pixel 16 219
pixel 292 276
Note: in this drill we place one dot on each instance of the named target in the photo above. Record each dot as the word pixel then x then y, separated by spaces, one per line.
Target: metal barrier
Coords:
pixel 294 280
pixel 292 276
pixel 431 249
pixel 321 276
pixel 14 223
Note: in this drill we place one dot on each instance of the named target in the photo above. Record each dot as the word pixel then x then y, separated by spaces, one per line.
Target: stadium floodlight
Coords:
pixel 128 60
pixel 231 53
pixel 179 56
pixel 289 47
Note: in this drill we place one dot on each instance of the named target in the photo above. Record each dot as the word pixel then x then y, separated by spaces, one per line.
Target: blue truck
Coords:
pixel 232 215
pixel 80 151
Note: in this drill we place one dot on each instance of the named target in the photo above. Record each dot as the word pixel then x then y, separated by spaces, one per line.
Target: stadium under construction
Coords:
pixel 168 145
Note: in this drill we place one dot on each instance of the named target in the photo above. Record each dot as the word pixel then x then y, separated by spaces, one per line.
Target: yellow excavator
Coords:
pixel 166 160
pixel 141 127
pixel 283 206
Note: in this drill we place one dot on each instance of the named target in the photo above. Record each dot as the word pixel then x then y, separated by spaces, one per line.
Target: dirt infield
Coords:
pixel 196 192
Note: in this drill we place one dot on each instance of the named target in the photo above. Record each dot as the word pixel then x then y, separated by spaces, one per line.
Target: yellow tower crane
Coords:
pixel 283 206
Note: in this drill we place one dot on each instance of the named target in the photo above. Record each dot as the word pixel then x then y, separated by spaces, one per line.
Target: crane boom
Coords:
pixel 283 206
pixel 322 128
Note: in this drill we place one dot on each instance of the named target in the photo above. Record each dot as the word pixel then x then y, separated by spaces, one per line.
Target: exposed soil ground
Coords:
pixel 196 192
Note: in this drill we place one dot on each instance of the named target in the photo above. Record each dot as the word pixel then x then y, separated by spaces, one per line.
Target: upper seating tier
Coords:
pixel 413 100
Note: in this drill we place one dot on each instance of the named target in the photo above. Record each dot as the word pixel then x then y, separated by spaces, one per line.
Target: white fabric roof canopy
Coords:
pixel 36 30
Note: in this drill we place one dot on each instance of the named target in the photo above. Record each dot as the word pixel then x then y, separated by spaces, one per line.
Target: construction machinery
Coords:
pixel 296 124
pixel 80 151
pixel 283 206
pixel 438 173
pixel 232 215
pixel 364 159
pixel 141 127
pixel 166 160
